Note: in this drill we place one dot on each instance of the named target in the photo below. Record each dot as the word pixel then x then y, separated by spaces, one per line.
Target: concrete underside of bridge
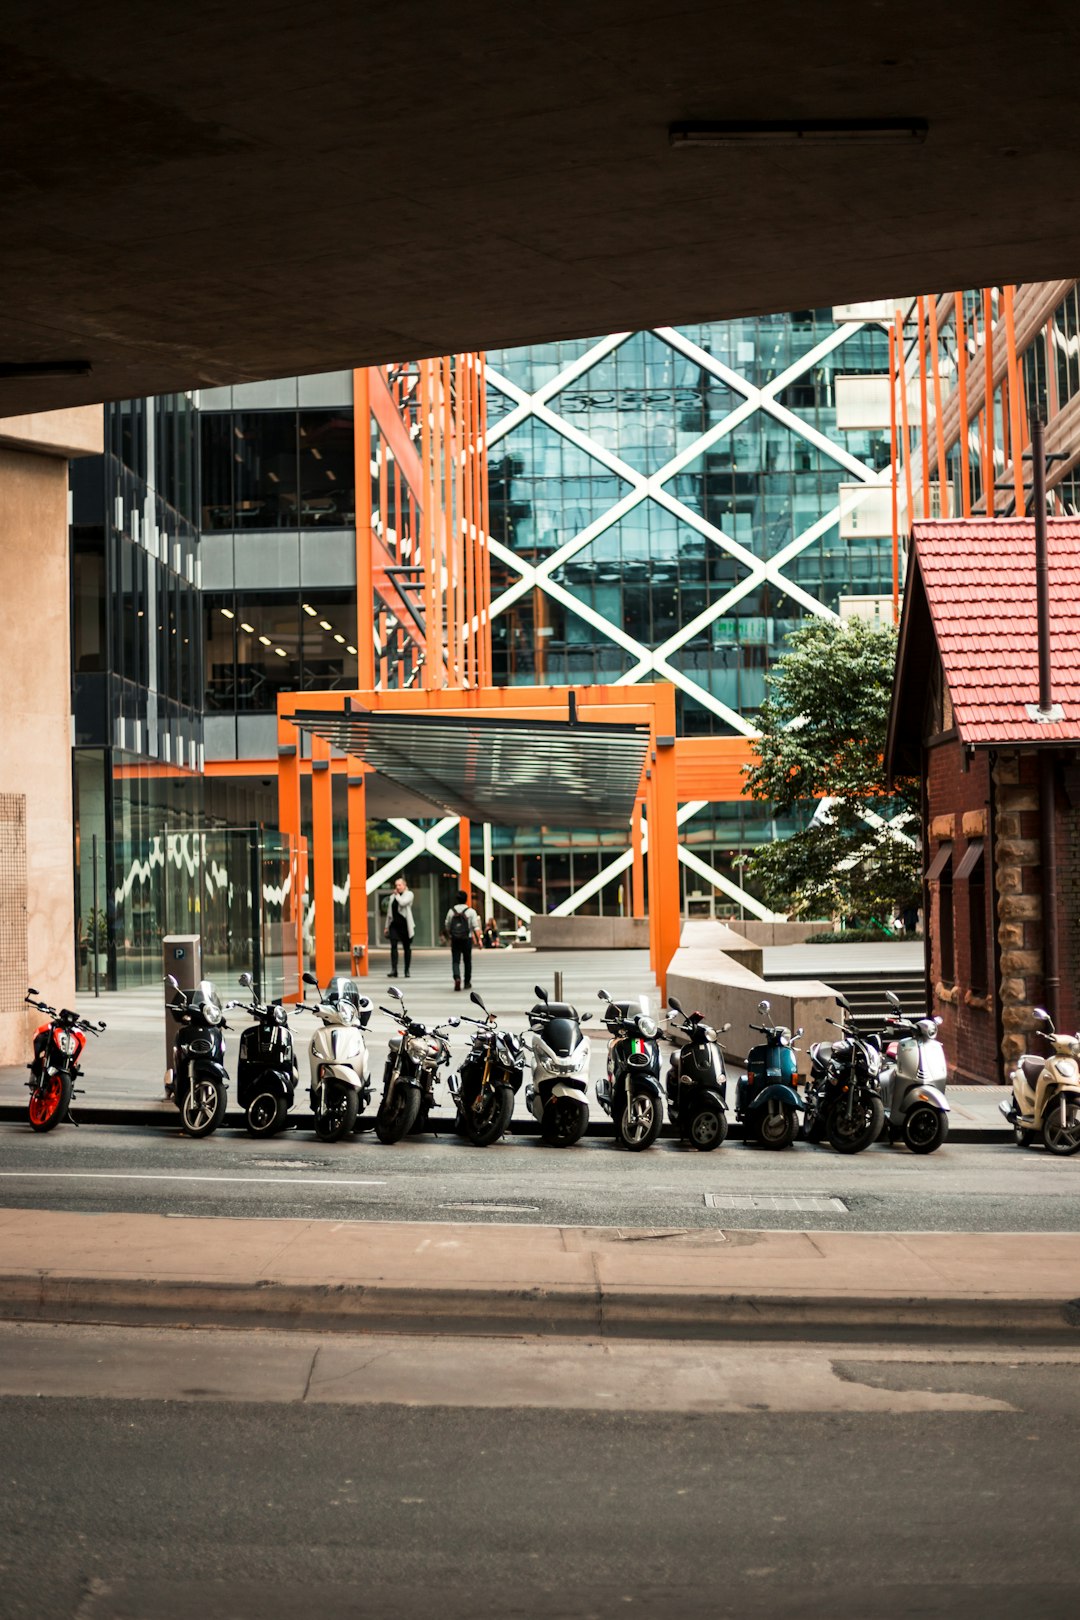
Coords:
pixel 215 192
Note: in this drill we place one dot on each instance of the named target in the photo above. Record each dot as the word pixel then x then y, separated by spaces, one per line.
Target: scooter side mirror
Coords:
pixel 32 992
pixel 842 1001
pixel 173 984
pixel 478 999
pixel 602 995
pixel 894 1001
pixel 540 992
pixel 309 978
pixel 725 1027
pixel 764 1007
pixel 453 1022
pixel 396 993
pixel 673 1001
pixel 797 1033
pixel 247 980
pixel 1043 1017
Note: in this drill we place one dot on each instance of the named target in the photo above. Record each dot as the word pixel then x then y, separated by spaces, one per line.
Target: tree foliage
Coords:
pixel 822 745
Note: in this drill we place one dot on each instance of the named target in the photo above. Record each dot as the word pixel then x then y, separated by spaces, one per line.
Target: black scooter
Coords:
pixel 629 1090
pixel 266 1068
pixel 697 1081
pixel 198 1083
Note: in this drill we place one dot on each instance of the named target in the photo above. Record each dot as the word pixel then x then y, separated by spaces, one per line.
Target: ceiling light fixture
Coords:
pixel 309 609
pixel 352 649
pixel 324 624
pixel 341 639
pixel 227 613
pixel 250 628
pixel 281 652
pixel 797 131
pixel 265 640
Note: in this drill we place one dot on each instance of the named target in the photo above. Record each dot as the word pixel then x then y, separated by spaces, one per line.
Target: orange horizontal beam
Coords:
pixel 711 768
pixel 131 773
pixel 617 704
pixel 268 767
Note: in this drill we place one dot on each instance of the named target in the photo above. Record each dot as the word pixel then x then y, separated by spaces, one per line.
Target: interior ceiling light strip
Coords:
pixel 517 773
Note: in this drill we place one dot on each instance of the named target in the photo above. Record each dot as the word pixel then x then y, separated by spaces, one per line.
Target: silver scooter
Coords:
pixel 913 1080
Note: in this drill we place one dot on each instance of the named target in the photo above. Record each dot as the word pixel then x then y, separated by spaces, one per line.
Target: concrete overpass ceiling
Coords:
pixel 217 192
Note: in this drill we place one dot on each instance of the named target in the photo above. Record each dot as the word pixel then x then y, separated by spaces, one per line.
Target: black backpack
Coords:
pixel 459 924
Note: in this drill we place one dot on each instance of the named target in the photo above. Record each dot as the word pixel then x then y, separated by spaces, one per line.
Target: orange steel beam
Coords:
pixel 923 406
pixel 289 824
pixel 990 439
pixel 358 900
pixel 1016 432
pixel 465 853
pixel 939 431
pixel 365 583
pixel 637 874
pixel 893 482
pixel 322 832
pixel 664 888
pixel 902 367
pixel 961 383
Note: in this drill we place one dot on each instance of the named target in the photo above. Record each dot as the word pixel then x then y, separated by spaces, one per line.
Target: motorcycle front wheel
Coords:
pixel 203 1108
pixel 639 1123
pixel 855 1134
pixel 337 1116
pixel 397 1117
pixel 493 1119
pixel 707 1128
pixel 266 1114
pixel 776 1129
pixel 50 1101
pixel 1061 1126
pixel 925 1129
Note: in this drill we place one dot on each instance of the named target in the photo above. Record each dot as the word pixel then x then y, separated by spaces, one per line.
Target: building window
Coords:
pixel 973 869
pixel 946 926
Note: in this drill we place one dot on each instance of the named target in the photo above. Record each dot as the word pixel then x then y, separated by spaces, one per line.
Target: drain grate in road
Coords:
pixel 799 1203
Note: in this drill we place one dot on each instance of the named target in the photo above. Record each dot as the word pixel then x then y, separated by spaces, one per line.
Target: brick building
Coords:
pixel 1001 785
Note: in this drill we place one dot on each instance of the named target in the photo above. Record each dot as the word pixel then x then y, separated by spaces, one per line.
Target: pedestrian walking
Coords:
pixel 399 926
pixel 462 928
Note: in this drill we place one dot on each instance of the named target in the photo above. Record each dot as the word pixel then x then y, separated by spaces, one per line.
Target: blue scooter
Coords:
pixel 767 1102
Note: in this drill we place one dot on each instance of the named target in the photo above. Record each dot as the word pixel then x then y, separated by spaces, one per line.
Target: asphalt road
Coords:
pixel 946 1491
pixel 960 1188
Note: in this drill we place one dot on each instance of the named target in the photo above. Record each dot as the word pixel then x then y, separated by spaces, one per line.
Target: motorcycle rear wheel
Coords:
pixel 707 1128
pixel 776 1130
pixel 397 1119
pixel 49 1102
pixel 856 1134
pixel 203 1108
pixel 639 1123
pixel 337 1118
pixel 266 1114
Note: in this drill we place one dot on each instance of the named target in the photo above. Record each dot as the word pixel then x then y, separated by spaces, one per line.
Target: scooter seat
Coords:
pixel 552 1009
pixel 1032 1068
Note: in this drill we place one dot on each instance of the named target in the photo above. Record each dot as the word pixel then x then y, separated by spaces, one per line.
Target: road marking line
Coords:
pixel 142 1175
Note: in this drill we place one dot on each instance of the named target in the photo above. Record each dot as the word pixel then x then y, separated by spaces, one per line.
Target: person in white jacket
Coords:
pixel 399 926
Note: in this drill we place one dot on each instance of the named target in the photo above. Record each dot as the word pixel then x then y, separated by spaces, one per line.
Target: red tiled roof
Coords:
pixel 979 577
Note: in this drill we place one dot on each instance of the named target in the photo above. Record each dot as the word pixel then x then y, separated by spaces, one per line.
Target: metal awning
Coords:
pixel 970 860
pixel 939 862
pixel 524 773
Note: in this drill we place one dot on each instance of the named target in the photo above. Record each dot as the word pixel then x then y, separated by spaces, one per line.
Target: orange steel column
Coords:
pixel 637 874
pixel 1016 431
pixel 990 441
pixel 902 370
pixel 322 852
pixel 895 490
pixel 924 408
pixel 365 588
pixel 961 385
pixel 465 851
pixel 664 897
pixel 288 777
pixel 939 429
pixel 358 901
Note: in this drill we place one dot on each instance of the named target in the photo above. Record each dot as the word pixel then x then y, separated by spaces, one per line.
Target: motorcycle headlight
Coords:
pixel 211 1013
pixel 65 1042
pixel 419 1047
pixel 873 1060
pixel 346 1012
pixel 280 1015
pixel 785 1038
pixel 647 1027
pixel 1067 1068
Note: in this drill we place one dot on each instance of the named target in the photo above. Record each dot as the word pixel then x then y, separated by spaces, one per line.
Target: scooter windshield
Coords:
pixel 204 999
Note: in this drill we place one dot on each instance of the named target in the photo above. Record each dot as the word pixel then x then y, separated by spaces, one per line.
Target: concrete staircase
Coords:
pixel 866 992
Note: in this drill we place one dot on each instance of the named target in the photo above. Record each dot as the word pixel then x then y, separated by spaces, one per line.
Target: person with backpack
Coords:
pixel 462 928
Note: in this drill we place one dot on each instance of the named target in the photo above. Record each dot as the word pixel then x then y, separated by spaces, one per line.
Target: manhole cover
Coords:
pixel 496 1209
pixel 799 1203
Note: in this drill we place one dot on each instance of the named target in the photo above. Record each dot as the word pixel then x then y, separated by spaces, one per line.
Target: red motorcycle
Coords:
pixel 58 1045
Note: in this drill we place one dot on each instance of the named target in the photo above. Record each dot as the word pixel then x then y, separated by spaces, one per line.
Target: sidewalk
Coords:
pixel 398 1277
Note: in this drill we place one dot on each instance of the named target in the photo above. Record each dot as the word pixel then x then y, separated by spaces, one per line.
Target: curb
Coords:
pixel 15 1114
pixel 347 1308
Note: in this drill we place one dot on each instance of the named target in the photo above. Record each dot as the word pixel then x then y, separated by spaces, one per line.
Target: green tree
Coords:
pixel 822 745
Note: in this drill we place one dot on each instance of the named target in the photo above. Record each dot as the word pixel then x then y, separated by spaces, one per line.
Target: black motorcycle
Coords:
pixel 843 1102
pixel 629 1090
pixel 697 1080
pixel 266 1068
pixel 198 1083
pixel 488 1079
pixel 412 1066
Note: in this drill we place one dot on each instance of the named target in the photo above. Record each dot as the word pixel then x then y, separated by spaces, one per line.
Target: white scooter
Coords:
pixel 558 1054
pixel 913 1080
pixel 340 1065
pixel 1045 1099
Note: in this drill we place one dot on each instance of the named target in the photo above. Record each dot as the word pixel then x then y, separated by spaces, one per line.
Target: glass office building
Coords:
pixel 664 504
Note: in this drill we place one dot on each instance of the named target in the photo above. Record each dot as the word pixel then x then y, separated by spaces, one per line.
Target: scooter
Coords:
pixel 1045 1097
pixel 842 1098
pixel 412 1067
pixel 58 1046
pixel 629 1090
pixel 198 1082
pixel 338 1055
pixel 697 1080
pixel 266 1068
pixel 485 1085
pixel 913 1080
pixel 558 1056
pixel 767 1103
